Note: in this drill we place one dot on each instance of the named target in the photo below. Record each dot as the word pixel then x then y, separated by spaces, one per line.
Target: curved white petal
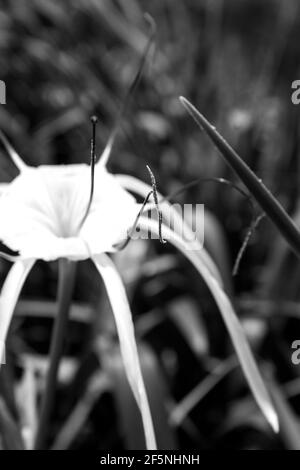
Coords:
pixel 139 187
pixel 9 295
pixel 231 321
pixel 121 310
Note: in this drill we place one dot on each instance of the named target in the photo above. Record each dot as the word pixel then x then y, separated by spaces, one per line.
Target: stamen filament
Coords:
pixel 123 245
pixel 154 190
pixel 94 121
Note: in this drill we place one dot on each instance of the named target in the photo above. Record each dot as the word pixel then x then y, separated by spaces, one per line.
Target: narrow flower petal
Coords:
pixel 139 187
pixel 231 321
pixel 12 153
pixel 9 296
pixel 121 310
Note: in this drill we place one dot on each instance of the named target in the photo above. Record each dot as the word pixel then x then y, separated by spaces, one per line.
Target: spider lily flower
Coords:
pixel 43 217
pixel 41 213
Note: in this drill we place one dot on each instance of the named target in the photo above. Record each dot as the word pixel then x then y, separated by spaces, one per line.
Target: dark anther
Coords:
pixel 154 190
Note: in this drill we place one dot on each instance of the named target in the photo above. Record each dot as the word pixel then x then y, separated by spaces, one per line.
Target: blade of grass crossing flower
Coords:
pixel 122 314
pixel 230 319
pixel 266 200
pixel 9 296
pixel 139 187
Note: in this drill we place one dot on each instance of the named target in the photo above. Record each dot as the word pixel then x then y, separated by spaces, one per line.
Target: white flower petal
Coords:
pixel 9 295
pixel 231 321
pixel 42 209
pixel 121 310
pixel 112 214
pixel 44 246
pixel 3 187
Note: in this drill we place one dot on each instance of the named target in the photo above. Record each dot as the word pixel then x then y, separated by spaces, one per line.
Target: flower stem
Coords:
pixel 65 291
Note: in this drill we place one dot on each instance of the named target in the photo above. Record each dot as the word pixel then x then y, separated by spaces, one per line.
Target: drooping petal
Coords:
pixel 12 153
pixel 230 319
pixel 9 296
pixel 121 310
pixel 139 187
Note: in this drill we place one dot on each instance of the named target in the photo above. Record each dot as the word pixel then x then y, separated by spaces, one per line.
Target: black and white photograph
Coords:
pixel 149 228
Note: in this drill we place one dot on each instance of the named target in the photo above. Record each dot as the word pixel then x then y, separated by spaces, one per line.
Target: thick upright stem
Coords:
pixel 65 291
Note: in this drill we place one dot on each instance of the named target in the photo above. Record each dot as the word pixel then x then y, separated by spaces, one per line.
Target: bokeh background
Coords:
pixel 235 60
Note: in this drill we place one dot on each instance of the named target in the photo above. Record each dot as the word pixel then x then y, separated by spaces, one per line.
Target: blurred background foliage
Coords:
pixel 63 61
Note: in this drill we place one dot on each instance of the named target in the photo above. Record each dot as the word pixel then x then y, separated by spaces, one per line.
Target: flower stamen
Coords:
pixel 123 245
pixel 94 121
pixel 154 190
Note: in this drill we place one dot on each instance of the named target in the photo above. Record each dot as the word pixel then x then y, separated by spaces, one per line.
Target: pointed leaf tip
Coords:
pixel 259 191
pixel 273 420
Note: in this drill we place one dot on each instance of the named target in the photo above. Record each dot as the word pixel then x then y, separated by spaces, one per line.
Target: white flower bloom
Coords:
pixel 43 216
pixel 42 209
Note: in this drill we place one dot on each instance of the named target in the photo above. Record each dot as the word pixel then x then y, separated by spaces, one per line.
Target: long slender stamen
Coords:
pixel 209 180
pixel 154 189
pixel 94 121
pixel 254 221
pixel 108 148
pixel 123 245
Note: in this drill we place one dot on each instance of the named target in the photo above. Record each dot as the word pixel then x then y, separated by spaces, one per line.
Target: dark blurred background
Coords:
pixel 65 60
